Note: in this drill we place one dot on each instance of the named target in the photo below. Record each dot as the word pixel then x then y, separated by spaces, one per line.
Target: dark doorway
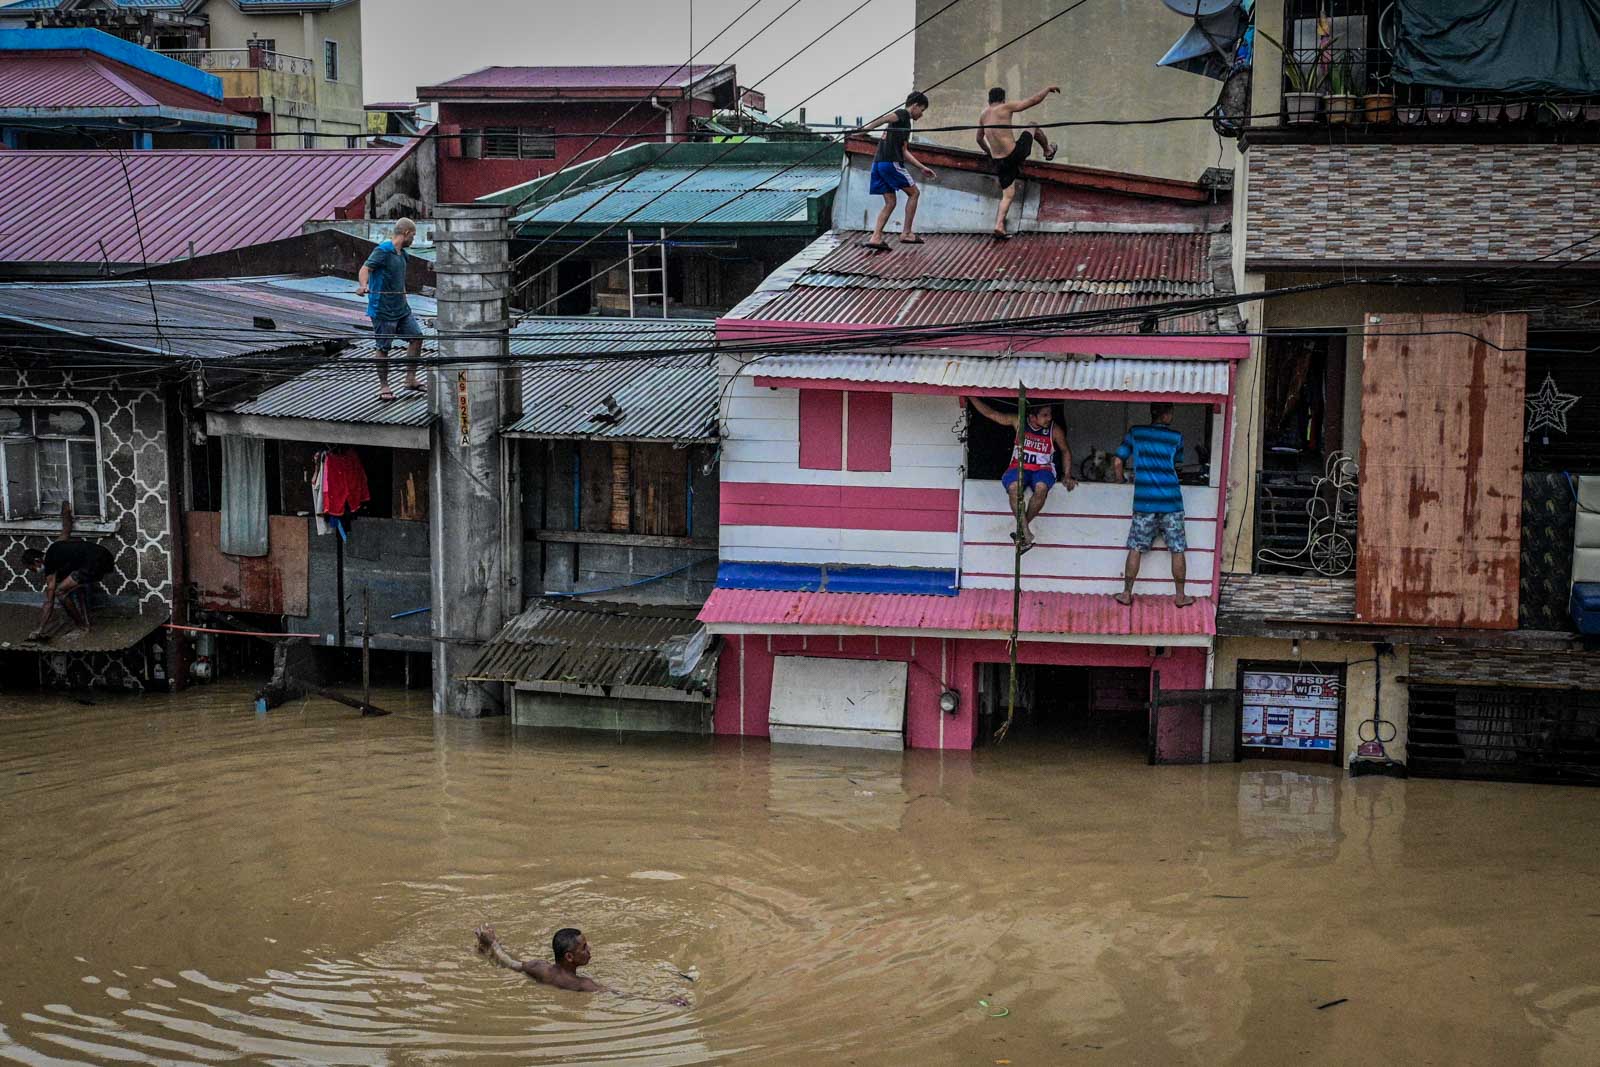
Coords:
pixel 1104 709
pixel 573 288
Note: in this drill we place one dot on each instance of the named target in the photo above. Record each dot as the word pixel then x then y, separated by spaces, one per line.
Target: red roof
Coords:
pixel 629 81
pixel 956 277
pixel 977 611
pixel 77 80
pixel 74 207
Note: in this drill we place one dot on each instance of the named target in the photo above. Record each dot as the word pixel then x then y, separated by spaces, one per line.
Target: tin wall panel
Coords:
pixel 1441 430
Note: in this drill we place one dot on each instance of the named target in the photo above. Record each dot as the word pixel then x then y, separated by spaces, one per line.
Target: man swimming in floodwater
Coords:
pixel 570 950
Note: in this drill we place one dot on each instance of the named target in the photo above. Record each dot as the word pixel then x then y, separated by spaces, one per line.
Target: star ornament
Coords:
pixel 1547 409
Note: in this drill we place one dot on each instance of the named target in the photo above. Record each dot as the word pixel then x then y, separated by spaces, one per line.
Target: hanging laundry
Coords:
pixel 344 484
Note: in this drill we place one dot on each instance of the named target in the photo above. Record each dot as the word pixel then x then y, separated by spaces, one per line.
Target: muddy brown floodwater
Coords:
pixel 187 882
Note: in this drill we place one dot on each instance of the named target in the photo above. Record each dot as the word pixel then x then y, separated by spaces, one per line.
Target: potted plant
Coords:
pixel 1485 109
pixel 1303 101
pixel 1344 100
pixel 1465 111
pixel 1378 105
pixel 1516 110
pixel 1591 111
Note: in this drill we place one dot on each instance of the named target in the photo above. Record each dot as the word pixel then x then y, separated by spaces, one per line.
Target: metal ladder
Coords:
pixel 636 285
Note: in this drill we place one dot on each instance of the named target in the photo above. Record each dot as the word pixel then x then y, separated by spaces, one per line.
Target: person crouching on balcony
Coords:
pixel 1033 461
pixel 1157 500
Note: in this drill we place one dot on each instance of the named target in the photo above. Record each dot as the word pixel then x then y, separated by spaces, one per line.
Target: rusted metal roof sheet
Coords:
pixel 971 277
pixel 984 611
pixel 1112 375
pixel 186 319
pixel 1032 256
pixel 76 207
pixel 115 628
pixel 592 644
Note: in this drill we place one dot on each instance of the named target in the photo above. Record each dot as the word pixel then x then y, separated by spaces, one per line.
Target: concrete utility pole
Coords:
pixel 467 468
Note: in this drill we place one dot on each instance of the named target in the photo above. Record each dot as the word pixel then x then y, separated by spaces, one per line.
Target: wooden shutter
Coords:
pixel 1441 470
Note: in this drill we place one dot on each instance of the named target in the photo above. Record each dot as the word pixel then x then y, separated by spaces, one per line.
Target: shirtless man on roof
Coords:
pixel 996 137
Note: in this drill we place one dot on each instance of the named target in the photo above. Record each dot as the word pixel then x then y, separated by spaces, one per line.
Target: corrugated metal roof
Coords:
pixel 673 398
pixel 197 319
pixel 344 390
pixel 972 277
pixel 1111 375
pixel 668 195
pixel 74 207
pixel 969 611
pixel 591 644
pixel 642 77
pixel 77 81
pixel 1033 256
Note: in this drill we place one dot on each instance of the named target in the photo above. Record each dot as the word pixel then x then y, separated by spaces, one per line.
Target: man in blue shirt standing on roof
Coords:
pixel 383 282
pixel 1157 500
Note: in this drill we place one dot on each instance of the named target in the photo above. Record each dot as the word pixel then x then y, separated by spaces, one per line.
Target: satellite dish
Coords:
pixel 1207 47
pixel 1200 8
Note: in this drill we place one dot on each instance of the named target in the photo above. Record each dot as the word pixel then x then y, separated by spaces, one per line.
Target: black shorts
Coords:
pixel 1009 168
pixel 86 577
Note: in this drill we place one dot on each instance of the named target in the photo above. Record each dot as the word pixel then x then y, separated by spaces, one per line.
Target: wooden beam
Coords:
pixel 592 537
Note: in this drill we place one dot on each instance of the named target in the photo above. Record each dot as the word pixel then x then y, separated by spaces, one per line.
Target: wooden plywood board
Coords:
pixel 1441 470
pixel 660 490
pixel 410 484
pixel 275 584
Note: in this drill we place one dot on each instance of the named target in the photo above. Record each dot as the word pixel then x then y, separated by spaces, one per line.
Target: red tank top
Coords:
pixel 1038 451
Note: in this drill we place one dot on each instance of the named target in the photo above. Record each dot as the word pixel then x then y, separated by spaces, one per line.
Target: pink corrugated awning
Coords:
pixel 971 612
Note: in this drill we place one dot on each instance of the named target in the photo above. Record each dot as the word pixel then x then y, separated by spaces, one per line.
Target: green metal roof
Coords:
pixel 766 199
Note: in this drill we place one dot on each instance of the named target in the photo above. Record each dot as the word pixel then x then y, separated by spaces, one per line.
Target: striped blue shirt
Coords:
pixel 1155 450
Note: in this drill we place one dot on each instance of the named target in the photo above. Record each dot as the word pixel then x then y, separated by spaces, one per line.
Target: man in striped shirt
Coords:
pixel 1157 500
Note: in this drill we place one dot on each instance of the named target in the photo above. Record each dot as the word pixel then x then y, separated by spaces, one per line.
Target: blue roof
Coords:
pixel 680 196
pixel 114 48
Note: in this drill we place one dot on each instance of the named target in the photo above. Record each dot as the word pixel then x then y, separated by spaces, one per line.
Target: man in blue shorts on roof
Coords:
pixel 889 174
pixel 1157 500
pixel 382 280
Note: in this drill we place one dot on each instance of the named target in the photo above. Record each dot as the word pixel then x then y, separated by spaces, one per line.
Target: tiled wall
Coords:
pixel 1425 202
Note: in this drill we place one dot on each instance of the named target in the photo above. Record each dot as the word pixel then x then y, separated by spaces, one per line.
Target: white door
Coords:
pixel 858 703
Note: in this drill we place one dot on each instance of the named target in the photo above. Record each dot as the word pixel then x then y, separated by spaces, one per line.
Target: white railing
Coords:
pixel 218 59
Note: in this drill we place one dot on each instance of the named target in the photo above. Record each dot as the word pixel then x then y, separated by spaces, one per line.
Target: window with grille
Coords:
pixel 49 455
pixel 330 60
pixel 511 142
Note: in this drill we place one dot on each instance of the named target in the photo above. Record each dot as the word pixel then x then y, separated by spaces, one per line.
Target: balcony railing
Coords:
pixel 1305 523
pixel 217 60
pixel 1331 84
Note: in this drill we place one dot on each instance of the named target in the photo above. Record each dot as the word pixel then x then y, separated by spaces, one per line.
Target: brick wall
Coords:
pixel 1419 202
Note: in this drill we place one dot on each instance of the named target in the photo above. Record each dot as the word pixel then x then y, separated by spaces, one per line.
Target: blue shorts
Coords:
pixel 1031 479
pixel 889 177
pixel 385 330
pixel 1147 525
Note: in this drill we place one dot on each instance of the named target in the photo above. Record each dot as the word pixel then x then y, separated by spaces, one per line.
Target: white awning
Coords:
pixel 1197 377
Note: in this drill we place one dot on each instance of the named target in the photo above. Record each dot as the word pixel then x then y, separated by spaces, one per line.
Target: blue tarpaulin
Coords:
pixel 1518 46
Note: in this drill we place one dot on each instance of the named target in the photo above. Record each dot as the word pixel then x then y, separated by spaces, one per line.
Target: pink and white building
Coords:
pixel 866 572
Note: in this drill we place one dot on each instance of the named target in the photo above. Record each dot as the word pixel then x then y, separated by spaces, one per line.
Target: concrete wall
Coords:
pixel 388 557
pixel 1363 693
pixel 337 105
pixel 1104 58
